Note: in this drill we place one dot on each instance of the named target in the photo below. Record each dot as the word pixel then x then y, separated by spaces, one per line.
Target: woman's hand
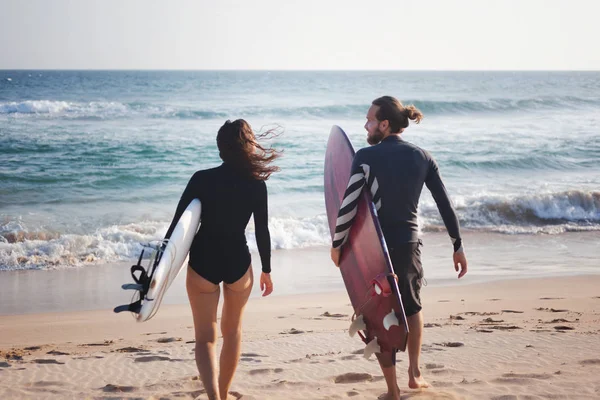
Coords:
pixel 266 286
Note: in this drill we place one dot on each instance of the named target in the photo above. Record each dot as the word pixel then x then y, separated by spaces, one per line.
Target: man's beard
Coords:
pixel 375 138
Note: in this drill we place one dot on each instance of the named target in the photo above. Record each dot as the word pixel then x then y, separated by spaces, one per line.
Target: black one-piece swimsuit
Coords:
pixel 219 251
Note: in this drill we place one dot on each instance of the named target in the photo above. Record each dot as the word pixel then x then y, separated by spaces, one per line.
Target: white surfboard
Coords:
pixel 174 257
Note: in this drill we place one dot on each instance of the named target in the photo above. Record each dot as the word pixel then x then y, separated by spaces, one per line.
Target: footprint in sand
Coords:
pixel 427 348
pixel 87 358
pixel 430 325
pixel 550 309
pixel 32 348
pixel 505 397
pixel 433 366
pixel 503 327
pixel 131 350
pixel 46 361
pixel 483 314
pixel 564 328
pixel 15 355
pixel 192 394
pixel 551 298
pixel 490 320
pixel 252 355
pixel 350 357
pixel 4 365
pixel 352 393
pixel 265 371
pixel 594 361
pixel 522 379
pixel 238 395
pixel 512 311
pixel 169 340
pixel 250 359
pixel 353 377
pixel 151 358
pixel 560 320
pixel 527 376
pixel 47 383
pixel 439 371
pixel 292 331
pixel 328 314
pixel 105 343
pixel 439 384
pixel 493 299
pixel 110 388
pixel 466 382
pixel 58 353
pixel 450 344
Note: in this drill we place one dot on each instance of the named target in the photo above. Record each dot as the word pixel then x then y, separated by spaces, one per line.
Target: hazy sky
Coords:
pixel 300 34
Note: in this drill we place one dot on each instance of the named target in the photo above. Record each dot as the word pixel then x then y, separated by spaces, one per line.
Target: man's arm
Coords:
pixel 440 195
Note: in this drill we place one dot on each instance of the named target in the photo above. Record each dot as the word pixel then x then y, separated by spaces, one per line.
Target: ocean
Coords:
pixel 92 163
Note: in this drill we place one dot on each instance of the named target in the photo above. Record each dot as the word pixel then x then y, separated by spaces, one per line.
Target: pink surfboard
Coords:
pixel 365 263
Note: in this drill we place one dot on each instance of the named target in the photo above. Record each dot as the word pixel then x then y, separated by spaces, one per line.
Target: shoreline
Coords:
pixel 492 257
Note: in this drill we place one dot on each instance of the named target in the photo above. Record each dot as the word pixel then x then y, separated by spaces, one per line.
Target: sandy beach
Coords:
pixel 510 339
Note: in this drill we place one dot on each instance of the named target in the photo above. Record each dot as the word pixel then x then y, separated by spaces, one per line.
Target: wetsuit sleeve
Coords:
pixel 261 227
pixel 440 195
pixel 189 194
pixel 349 206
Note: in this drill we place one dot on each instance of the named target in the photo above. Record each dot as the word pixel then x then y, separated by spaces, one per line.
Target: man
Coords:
pixel 395 172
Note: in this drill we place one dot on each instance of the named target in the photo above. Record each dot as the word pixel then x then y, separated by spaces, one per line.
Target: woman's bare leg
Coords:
pixel 235 297
pixel 204 300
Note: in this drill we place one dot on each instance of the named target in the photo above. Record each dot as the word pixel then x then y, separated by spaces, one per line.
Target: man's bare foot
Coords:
pixel 416 381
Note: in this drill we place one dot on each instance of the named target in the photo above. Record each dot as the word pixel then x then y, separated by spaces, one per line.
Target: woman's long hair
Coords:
pixel 239 147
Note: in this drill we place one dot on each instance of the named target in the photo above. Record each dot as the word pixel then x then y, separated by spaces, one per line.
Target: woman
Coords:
pixel 229 194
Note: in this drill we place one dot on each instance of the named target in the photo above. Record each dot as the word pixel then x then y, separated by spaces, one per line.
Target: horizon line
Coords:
pixel 291 70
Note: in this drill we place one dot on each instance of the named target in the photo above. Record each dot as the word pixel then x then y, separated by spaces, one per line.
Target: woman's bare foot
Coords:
pixel 390 396
pixel 416 380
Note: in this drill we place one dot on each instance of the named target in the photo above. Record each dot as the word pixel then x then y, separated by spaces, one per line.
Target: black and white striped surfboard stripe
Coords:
pixel 349 205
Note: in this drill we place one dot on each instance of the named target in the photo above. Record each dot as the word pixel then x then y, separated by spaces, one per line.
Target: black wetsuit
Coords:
pixel 219 251
pixel 395 172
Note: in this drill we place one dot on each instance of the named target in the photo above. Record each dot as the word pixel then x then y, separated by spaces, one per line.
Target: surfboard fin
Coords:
pixel 390 320
pixel 372 347
pixel 357 325
pixel 134 307
pixel 133 286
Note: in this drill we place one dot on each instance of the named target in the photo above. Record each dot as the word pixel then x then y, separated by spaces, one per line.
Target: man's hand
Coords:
pixel 335 255
pixel 460 263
